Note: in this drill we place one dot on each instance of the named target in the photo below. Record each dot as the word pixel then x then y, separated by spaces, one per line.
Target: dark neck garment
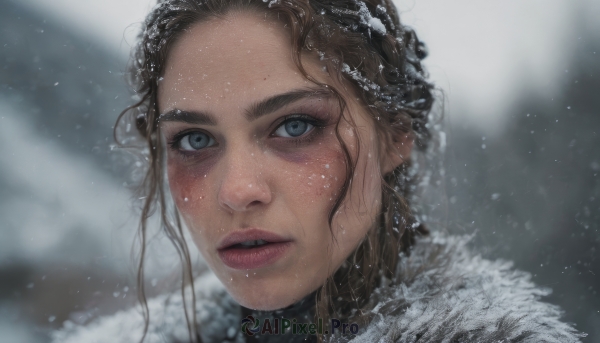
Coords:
pixel 302 311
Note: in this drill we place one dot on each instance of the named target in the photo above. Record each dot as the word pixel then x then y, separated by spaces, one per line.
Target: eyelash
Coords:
pixel 307 137
pixel 175 142
pixel 318 125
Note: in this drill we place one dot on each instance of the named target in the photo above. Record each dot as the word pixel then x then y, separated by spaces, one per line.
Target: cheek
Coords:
pixel 362 204
pixel 313 176
pixel 188 183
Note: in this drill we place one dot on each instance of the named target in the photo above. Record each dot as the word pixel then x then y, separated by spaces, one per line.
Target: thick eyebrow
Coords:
pixel 276 102
pixel 190 117
pixel 255 111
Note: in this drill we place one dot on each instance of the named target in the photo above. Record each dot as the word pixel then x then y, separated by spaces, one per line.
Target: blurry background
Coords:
pixel 521 80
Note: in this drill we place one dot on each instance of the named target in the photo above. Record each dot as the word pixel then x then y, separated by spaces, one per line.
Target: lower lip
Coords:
pixel 252 258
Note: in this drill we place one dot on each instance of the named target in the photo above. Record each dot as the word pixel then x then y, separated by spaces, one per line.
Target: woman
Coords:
pixel 280 134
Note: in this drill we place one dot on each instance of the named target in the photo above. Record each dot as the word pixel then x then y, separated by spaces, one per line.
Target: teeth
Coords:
pixel 253 243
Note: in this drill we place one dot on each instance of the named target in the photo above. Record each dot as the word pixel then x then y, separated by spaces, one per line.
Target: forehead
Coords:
pixel 227 61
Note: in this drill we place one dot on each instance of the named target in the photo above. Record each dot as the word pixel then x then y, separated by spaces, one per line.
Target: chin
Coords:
pixel 262 297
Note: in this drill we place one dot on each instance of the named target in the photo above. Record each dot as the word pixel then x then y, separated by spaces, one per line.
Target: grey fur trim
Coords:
pixel 447 295
pixel 219 316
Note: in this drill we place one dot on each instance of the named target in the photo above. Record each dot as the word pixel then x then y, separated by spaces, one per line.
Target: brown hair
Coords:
pixel 362 44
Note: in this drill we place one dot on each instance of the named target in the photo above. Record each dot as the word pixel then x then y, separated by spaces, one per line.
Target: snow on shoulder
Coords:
pixel 449 294
pixel 217 313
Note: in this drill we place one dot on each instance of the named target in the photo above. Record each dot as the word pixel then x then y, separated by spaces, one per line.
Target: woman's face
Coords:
pixel 254 165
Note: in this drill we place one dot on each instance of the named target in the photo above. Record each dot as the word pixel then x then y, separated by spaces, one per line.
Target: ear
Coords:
pixel 396 151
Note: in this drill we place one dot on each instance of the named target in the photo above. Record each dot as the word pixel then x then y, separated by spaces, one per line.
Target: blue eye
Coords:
pixel 196 141
pixel 294 128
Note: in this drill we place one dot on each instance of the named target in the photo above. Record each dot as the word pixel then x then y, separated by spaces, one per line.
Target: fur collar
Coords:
pixel 447 295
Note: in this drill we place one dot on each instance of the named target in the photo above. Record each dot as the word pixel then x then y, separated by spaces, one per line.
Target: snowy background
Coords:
pixel 521 81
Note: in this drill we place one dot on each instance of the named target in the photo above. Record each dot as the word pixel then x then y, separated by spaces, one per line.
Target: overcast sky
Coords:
pixel 483 54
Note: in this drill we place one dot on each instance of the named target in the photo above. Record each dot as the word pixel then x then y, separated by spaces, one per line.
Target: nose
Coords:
pixel 243 186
